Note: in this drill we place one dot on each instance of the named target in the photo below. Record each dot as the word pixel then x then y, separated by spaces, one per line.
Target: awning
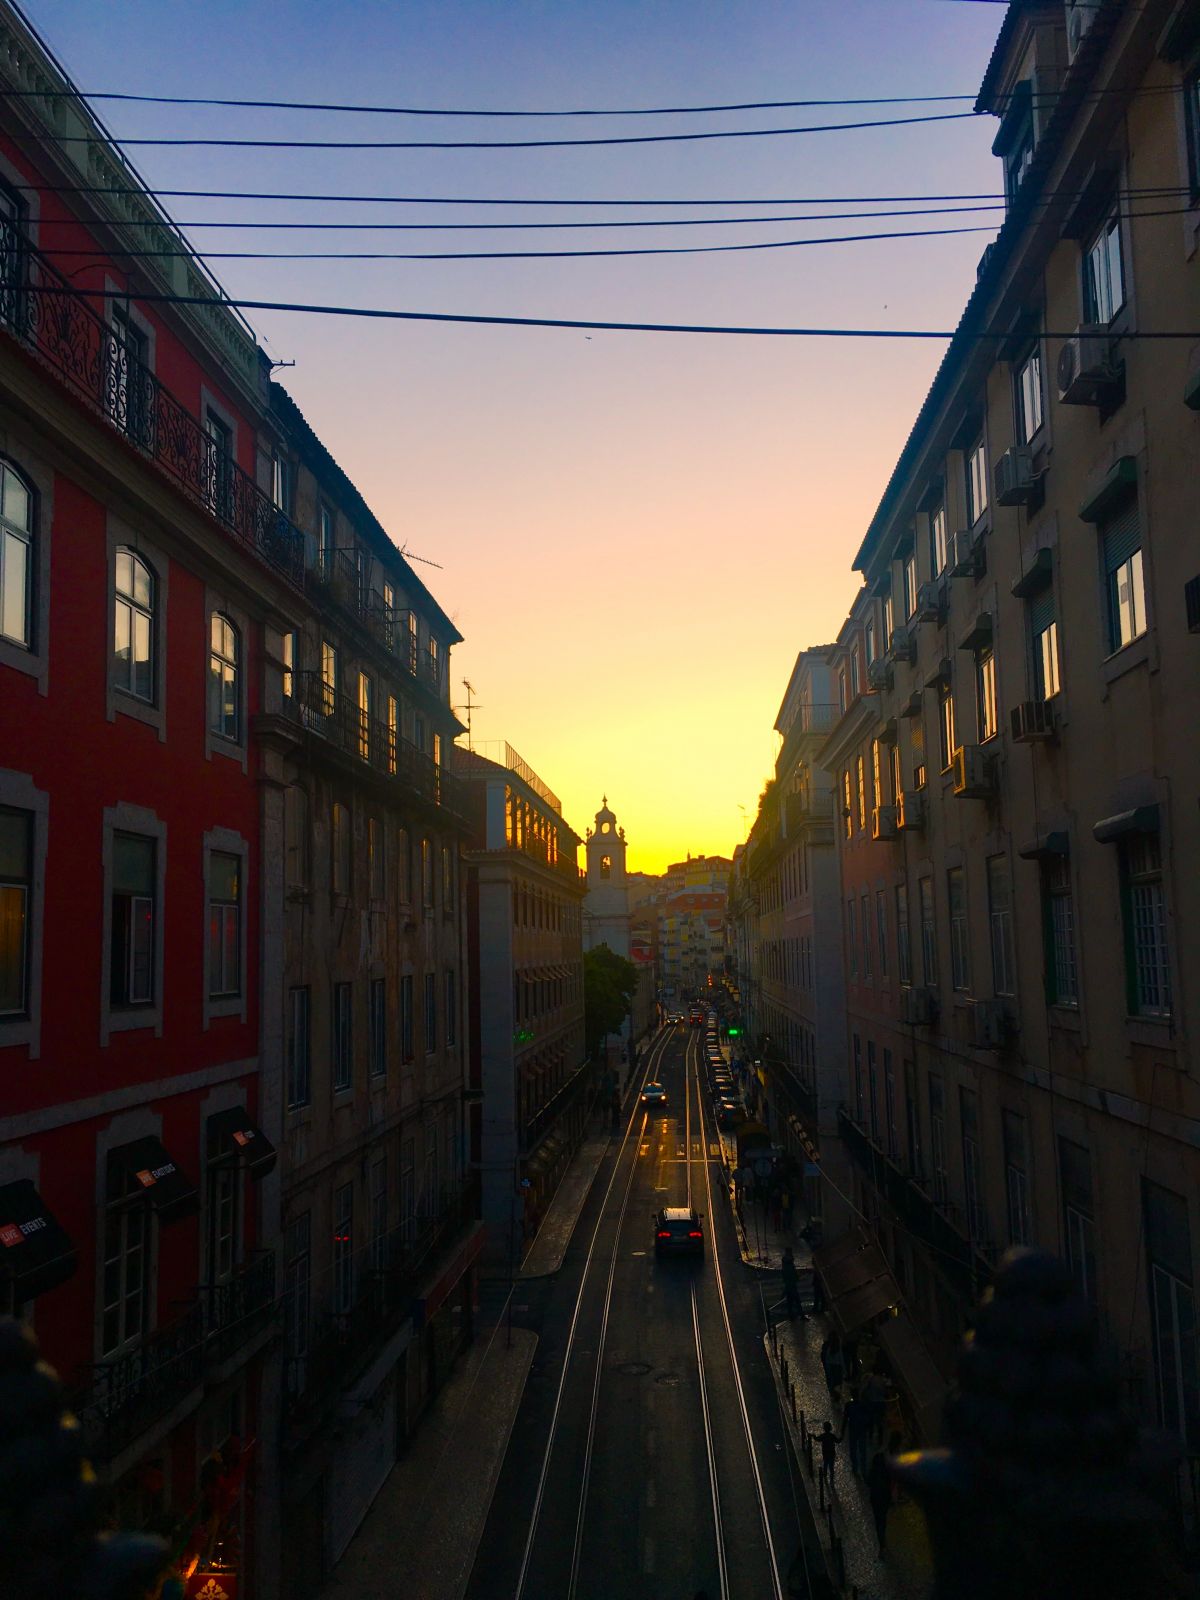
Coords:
pixel 441 1285
pixel 915 1372
pixel 35 1253
pixel 243 1140
pixel 858 1282
pixel 942 673
pixel 1141 819
pixel 852 1309
pixel 172 1195
pixel 846 1244
pixel 852 1271
pixel 1055 843
pixel 1107 490
pixel 544 1155
pixel 1036 575
pixel 979 635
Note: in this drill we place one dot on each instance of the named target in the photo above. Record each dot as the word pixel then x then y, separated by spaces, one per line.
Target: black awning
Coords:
pixel 172 1195
pixel 1142 819
pixel 1055 843
pixel 35 1253
pixel 238 1137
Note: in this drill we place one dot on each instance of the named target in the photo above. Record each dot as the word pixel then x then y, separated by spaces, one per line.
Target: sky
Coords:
pixel 635 533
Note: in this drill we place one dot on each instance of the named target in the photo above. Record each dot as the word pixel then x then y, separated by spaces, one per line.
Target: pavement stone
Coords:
pixel 420 1536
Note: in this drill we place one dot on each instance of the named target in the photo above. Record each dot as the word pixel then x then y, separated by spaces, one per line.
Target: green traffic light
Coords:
pixel 735 1033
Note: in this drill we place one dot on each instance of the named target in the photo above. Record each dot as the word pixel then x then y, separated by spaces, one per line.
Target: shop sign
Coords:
pixel 208 1585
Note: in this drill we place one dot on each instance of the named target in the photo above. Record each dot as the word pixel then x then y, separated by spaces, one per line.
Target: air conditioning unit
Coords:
pixel 1085 371
pixel 1032 720
pixel 918 1007
pixel 929 603
pixel 974 777
pixel 1080 14
pixel 904 645
pixel 879 675
pixel 883 822
pixel 1013 477
pixel 966 555
pixel 910 811
pixel 991 1025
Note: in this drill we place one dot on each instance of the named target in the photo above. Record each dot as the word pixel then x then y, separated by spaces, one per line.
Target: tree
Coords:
pixel 609 982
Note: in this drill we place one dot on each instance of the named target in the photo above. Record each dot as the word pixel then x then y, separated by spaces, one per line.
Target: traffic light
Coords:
pixel 734 1031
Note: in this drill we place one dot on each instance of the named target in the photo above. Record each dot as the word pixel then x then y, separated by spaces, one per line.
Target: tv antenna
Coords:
pixel 424 560
pixel 471 705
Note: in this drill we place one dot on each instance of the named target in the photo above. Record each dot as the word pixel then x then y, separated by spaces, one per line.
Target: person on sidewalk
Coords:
pixel 829 1441
pixel 791 1287
pixel 856 1425
pixel 879 1489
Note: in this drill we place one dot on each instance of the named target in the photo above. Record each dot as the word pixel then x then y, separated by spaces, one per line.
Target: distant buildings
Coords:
pixel 1014 756
pixel 608 917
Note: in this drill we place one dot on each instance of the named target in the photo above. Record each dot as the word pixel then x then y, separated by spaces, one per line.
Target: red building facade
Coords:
pixel 143 559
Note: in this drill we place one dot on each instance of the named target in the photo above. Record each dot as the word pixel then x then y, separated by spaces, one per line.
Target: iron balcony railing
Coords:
pixel 345 576
pixel 335 717
pixel 125 1395
pixel 546 1116
pixel 99 362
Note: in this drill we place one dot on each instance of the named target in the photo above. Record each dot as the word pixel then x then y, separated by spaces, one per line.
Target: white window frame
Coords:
pixel 119 700
pixel 125 818
pixel 225 841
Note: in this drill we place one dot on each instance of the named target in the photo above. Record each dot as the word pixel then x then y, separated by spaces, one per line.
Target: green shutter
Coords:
pixel 1122 535
pixel 1041 610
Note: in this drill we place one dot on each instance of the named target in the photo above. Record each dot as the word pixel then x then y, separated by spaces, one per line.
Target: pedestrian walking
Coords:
pixel 879 1490
pixel 791 1286
pixel 856 1425
pixel 829 1441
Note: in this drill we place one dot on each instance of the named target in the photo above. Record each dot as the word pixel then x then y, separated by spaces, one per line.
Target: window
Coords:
pixel 1016 1178
pixel 329 677
pixel 393 734
pixel 223 718
pixel 366 715
pixel 223 1207
pixel 1121 543
pixel 847 812
pixel 378 1020
pixel 1062 973
pixel 860 1108
pixel 435 662
pixel 343 1248
pixel 873 1087
pixel 1004 963
pixel 1019 156
pixel 281 481
pixel 1044 628
pixel 133 626
pixel 903 947
pixel 876 776
pixel 447 881
pixel 861 773
pixel 1103 274
pixel 869 646
pixel 854 674
pixel 430 1013
pixel 1191 100
pixel 407 1050
pixel 956 894
pixel 412 642
pixel 881 931
pixel 968 1108
pixel 130 395
pixel 16 901
pixel 912 1119
pixel 427 874
pixel 342 1050
pixel 340 850
pixel 985 694
pixel 851 938
pixel 326 525
pixel 928 930
pixel 131 971
pixel 937 1135
pixel 297 1293
pixel 125 1314
pixel 16 553
pixel 299 1058
pixel 451 1011
pixel 1029 395
pixel 918 754
pixel 1079 1220
pixel 13 268
pixel 910 584
pixel 419 738
pixel 297 842
pixel 404 866
pixel 888 619
pixel 1148 958
pixel 937 541
pixel 224 925
pixel 289 664
pixel 897 781
pixel 376 859
pixel 218 439
pixel 843 699
pixel 379 1214
pixel 947 735
pixel 977 482
pixel 1173 1311
pixel 889 1103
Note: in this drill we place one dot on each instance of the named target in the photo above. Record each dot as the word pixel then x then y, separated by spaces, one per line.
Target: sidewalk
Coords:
pixel 420 1537
pixel 549 1246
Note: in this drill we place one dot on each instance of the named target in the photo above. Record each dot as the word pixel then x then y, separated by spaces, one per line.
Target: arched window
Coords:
pixel 133 630
pixel 16 558
pixel 223 687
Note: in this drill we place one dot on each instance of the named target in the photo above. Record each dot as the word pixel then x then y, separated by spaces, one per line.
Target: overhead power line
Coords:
pixel 488 319
pixel 505 144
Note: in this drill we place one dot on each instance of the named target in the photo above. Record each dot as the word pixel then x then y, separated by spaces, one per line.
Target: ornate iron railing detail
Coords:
pixel 238 1309
pixel 336 718
pixel 53 321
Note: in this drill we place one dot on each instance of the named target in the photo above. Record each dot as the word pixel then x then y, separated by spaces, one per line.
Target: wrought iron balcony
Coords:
pixel 345 578
pixel 54 323
pixel 126 1394
pixel 334 717
pixel 546 1116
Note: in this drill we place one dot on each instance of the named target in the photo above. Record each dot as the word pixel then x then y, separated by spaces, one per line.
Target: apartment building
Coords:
pixel 1017 761
pixel 143 572
pixel 379 1210
pixel 532 1085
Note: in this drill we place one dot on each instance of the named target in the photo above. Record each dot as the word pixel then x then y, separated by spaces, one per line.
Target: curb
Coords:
pixel 822 1513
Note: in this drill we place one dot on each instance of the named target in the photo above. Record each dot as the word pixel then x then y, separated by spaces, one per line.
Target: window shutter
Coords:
pixel 1041 610
pixel 1122 536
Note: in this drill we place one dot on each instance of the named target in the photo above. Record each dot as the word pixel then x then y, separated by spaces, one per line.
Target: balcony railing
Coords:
pixel 546 1116
pixel 345 578
pixel 127 1394
pixel 55 323
pixel 335 717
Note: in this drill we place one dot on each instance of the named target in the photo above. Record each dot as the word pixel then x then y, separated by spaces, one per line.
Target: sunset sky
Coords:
pixel 637 532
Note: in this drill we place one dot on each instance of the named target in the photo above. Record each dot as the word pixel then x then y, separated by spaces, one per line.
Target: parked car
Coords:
pixel 677 1232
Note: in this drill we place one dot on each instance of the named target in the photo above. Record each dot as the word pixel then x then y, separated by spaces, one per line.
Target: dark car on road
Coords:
pixel 654 1097
pixel 677 1232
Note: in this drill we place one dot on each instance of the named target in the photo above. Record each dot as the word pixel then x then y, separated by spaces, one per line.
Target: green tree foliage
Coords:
pixel 609 982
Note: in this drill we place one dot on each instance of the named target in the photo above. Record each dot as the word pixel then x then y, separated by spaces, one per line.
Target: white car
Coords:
pixel 654 1096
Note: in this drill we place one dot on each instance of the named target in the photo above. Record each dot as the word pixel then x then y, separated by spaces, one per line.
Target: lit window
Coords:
pixel 1121 541
pixel 223 717
pixel 1029 395
pixel 977 482
pixel 133 626
pixel 947 734
pixel 985 684
pixel 937 541
pixel 16 557
pixel 16 899
pixel 1103 274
